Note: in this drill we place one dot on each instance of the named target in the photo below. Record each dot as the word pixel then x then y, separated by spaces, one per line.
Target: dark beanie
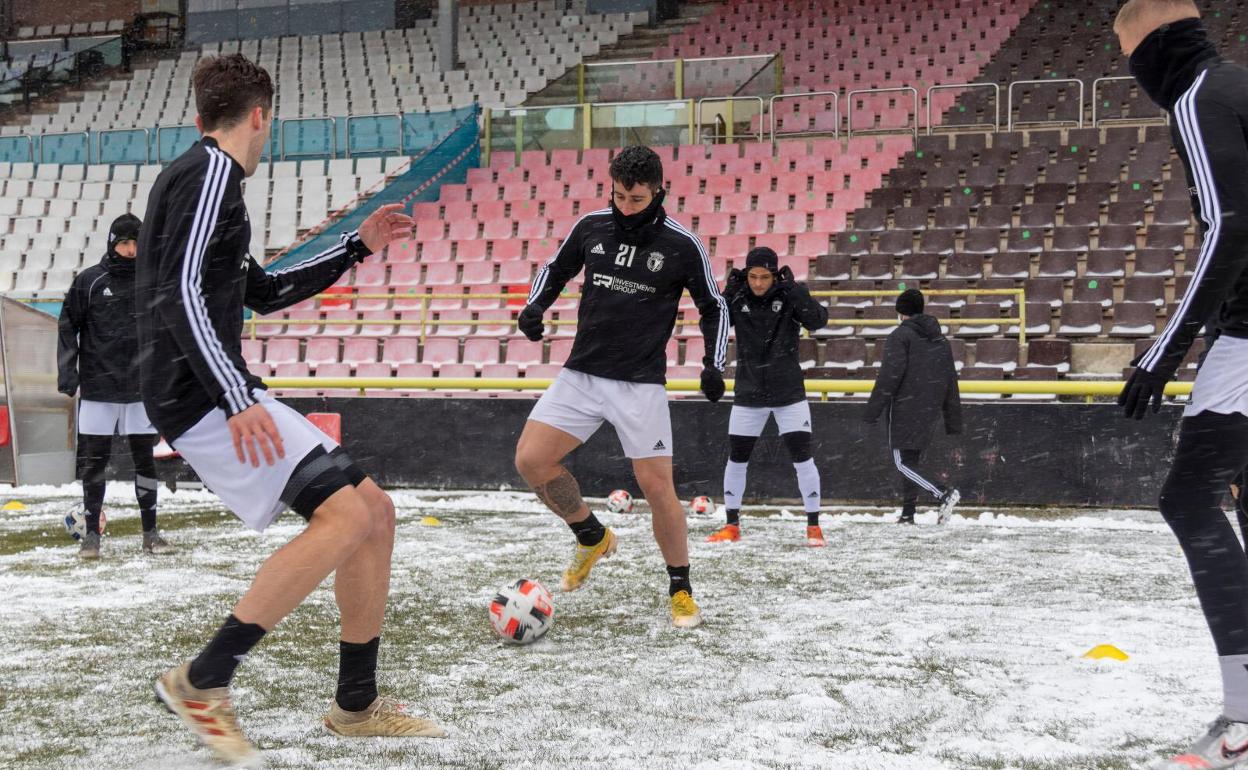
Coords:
pixel 761 256
pixel 125 228
pixel 910 302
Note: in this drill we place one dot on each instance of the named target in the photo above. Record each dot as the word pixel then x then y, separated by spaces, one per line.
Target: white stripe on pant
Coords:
pixel 913 475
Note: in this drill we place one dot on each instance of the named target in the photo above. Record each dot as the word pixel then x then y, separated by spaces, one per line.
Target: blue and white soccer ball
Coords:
pixel 76 523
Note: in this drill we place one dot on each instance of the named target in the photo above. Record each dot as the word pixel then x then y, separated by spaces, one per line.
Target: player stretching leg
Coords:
pixel 769 309
pixel 258 455
pixel 637 262
pixel 1207 97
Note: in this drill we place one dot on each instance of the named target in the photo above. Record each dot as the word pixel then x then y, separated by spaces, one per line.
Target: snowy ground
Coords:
pixel 894 648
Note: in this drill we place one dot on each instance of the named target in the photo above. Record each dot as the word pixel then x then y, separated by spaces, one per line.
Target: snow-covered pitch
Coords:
pixel 894 648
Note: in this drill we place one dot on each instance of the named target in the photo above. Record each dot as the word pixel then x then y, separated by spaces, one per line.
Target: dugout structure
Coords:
pixel 37 424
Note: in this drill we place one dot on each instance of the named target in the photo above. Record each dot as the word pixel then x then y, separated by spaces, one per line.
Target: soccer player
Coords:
pixel 1174 62
pixel 258 455
pixel 917 385
pixel 98 351
pixel 637 262
pixel 769 309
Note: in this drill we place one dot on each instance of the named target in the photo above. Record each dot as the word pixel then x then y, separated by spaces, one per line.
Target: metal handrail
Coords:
pixel 333 135
pixel 350 118
pixel 1097 122
pixel 836 112
pixel 849 112
pixel 147 142
pixel 729 121
pixel 1053 81
pixel 85 134
pixel 996 124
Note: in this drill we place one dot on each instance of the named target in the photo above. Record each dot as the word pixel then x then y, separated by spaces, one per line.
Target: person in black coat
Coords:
pixel 769 309
pixel 917 385
pixel 98 354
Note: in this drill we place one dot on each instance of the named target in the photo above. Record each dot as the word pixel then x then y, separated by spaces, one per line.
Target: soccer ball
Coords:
pixel 522 611
pixel 701 506
pixel 76 523
pixel 620 501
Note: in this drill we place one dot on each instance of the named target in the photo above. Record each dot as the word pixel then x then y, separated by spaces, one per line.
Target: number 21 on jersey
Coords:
pixel 625 257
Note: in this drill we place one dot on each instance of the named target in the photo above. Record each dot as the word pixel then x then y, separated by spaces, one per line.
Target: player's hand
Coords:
pixel 530 322
pixel 784 280
pixel 1143 387
pixel 68 388
pixel 384 226
pixel 734 284
pixel 712 384
pixel 252 428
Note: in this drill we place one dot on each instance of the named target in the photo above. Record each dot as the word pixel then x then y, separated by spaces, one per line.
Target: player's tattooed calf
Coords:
pixel 561 494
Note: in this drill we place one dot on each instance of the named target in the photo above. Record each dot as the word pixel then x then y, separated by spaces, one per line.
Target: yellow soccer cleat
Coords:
pixel 729 533
pixel 814 537
pixel 210 715
pixel 584 559
pixel 384 718
pixel 685 612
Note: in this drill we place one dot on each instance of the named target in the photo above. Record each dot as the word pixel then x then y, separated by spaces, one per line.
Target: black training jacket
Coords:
pixel 98 348
pixel 767 328
pixel 195 275
pixel 1207 97
pixel 917 384
pixel 631 296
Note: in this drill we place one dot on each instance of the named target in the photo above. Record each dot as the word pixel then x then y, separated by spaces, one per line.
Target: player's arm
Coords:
pixel 550 280
pixel 952 407
pixel 714 318
pixel 1214 142
pixel 892 370
pixel 67 340
pixel 267 292
pixel 807 310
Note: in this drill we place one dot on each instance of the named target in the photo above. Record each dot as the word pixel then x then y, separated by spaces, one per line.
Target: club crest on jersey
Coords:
pixel 597 250
pixel 776 305
pixel 655 262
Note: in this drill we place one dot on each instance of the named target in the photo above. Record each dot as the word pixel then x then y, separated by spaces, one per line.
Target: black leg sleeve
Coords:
pixel 1212 449
pixel 740 448
pixel 798 444
pixel 145 482
pixel 93 454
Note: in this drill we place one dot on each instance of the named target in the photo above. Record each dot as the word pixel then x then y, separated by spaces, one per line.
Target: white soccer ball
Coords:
pixel 76 523
pixel 620 501
pixel 522 611
pixel 701 506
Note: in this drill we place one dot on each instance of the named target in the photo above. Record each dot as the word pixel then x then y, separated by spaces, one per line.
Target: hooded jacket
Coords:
pixel 767 329
pixel 917 384
pixel 1207 98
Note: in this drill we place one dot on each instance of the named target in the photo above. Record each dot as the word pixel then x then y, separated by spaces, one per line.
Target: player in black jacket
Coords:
pixel 637 262
pixel 917 385
pixel 1174 62
pixel 258 455
pixel 98 351
pixel 769 309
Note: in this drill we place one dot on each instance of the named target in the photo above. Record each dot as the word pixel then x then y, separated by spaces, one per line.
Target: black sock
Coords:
pixel 148 515
pixel 679 577
pixel 734 517
pixel 590 531
pixel 216 663
pixel 357 674
pixel 812 519
pixel 93 522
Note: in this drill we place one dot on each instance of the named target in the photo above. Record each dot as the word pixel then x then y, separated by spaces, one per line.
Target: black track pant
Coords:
pixel 93 454
pixel 912 482
pixel 1212 451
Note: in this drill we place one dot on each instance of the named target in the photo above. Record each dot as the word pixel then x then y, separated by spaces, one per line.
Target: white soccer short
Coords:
pixel 578 403
pixel 750 420
pixel 1222 383
pixel 253 494
pixel 104 418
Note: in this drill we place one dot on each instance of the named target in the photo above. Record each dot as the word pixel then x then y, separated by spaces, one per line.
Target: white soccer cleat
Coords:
pixel 948 502
pixel 210 716
pixel 1225 746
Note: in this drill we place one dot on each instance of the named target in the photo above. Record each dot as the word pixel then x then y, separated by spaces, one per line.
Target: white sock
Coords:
pixel 1234 687
pixel 808 483
pixel 734 484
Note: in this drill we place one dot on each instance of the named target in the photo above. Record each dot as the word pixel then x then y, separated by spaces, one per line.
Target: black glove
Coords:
pixel 68 389
pixel 784 280
pixel 712 384
pixel 530 322
pixel 735 284
pixel 1143 387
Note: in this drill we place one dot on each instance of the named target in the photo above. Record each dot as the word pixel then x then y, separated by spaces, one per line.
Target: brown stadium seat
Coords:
pixel 1108 264
pixel 1134 319
pixel 1059 264
pixel 1081 319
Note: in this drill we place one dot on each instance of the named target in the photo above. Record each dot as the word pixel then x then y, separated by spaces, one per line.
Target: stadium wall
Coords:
pixel 39 13
pixel 211 22
pixel 1075 455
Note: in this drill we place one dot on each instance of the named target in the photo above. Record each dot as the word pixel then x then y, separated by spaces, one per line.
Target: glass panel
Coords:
pixel 630 81
pixel 306 137
pixel 653 123
pixel 65 148
pixel 729 77
pixel 172 141
pixel 16 149
pixel 123 146
pixel 373 134
pixel 41 419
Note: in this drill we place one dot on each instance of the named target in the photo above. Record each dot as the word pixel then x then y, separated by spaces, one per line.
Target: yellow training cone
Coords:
pixel 14 505
pixel 430 521
pixel 1103 651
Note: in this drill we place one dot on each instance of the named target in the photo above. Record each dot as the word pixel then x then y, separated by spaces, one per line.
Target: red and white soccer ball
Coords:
pixel 76 523
pixel 620 501
pixel 522 611
pixel 701 506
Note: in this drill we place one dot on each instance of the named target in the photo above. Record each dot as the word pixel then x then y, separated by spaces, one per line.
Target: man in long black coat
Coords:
pixel 917 385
